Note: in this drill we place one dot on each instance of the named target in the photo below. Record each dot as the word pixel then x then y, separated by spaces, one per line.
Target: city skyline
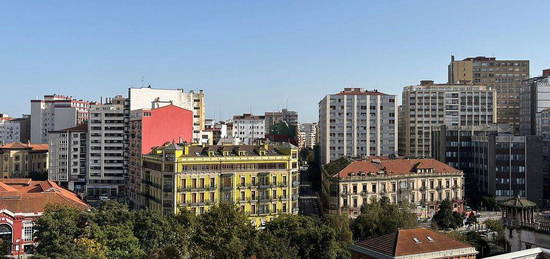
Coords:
pixel 296 52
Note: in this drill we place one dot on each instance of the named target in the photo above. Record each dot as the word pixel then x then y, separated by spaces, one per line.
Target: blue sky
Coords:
pixel 253 55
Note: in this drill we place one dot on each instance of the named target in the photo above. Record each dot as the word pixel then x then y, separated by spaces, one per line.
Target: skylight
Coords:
pixel 416 240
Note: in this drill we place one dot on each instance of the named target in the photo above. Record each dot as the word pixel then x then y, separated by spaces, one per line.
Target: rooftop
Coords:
pixel 518 202
pixel 19 145
pixel 412 242
pixel 359 91
pixel 23 195
pixel 226 150
pixel 400 166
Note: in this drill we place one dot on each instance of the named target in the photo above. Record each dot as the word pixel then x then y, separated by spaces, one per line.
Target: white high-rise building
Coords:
pixel 68 157
pixel 248 128
pixel 308 135
pixel 428 106
pixel 150 98
pixel 534 98
pixel 9 130
pixel 106 149
pixel 56 112
pixel 357 123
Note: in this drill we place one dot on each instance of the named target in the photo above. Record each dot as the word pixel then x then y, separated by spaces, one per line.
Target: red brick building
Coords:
pixel 21 202
pixel 412 243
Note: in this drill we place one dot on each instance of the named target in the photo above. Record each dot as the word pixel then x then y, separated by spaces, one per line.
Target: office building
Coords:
pixel 56 112
pixel 505 76
pixel 68 158
pixel 107 165
pixel 150 128
pixel 21 159
pixel 413 243
pixel 534 98
pixel 357 123
pixel 423 183
pixel 150 98
pixel 262 180
pixel 249 128
pixel 308 135
pixel 454 146
pixel 23 201
pixel 506 166
pixel 9 130
pixel 428 106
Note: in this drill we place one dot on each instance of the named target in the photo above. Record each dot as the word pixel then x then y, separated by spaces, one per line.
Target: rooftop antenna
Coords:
pixel 142 83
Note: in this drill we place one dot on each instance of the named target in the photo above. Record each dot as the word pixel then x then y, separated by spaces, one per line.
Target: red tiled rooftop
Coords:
pixel 22 195
pixel 412 242
pixel 19 145
pixel 394 166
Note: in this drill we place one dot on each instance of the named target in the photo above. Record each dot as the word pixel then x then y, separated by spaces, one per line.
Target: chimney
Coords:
pixel 546 72
pixel 426 82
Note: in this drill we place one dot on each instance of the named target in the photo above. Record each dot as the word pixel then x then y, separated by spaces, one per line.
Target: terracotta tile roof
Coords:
pixel 21 195
pixel 394 167
pixel 412 242
pixel 19 145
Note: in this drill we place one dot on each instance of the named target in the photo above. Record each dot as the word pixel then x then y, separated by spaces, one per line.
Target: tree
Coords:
pixel 57 229
pixel 222 232
pixel 382 217
pixel 471 219
pixel 445 218
pixel 496 226
pixel 473 238
pixel 155 231
pixel 89 248
pixel 344 237
pixel 307 235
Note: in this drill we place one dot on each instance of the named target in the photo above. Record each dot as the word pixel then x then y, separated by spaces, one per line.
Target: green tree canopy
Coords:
pixel 382 217
pixel 446 218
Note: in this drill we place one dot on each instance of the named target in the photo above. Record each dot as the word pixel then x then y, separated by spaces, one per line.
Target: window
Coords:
pixel 212 182
pixel 27 232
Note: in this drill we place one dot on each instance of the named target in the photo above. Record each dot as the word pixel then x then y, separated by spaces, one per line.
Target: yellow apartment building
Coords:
pixel 262 180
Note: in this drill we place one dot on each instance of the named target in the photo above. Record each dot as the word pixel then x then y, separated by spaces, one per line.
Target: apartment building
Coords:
pixel 505 76
pixel 150 98
pixel 249 128
pixel 68 158
pixel 21 159
pixel 150 128
pixel 534 98
pixel 24 128
pixel 423 183
pixel 507 166
pixel 107 164
pixel 308 135
pixel 263 180
pixel 272 118
pixel 357 123
pixel 428 105
pixel 56 112
pixel 9 130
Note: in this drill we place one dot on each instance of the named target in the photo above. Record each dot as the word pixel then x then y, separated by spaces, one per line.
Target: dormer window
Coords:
pixel 429 238
pixel 416 240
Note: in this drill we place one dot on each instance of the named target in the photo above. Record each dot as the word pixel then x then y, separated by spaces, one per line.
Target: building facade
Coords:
pixel 107 166
pixel 505 76
pixel 249 128
pixel 534 98
pixel 22 160
pixel 56 112
pixel 428 106
pixel 24 128
pixel 454 146
pixel 308 134
pixel 272 118
pixel 22 202
pixel 150 128
pixel 263 180
pixel 9 130
pixel 150 98
pixel 357 123
pixel 421 182
pixel 506 166
pixel 68 158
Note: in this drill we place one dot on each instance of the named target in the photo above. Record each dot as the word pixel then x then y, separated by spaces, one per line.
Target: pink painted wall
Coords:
pixel 166 124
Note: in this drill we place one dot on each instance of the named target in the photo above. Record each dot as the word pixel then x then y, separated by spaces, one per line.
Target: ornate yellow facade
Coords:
pixel 262 180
